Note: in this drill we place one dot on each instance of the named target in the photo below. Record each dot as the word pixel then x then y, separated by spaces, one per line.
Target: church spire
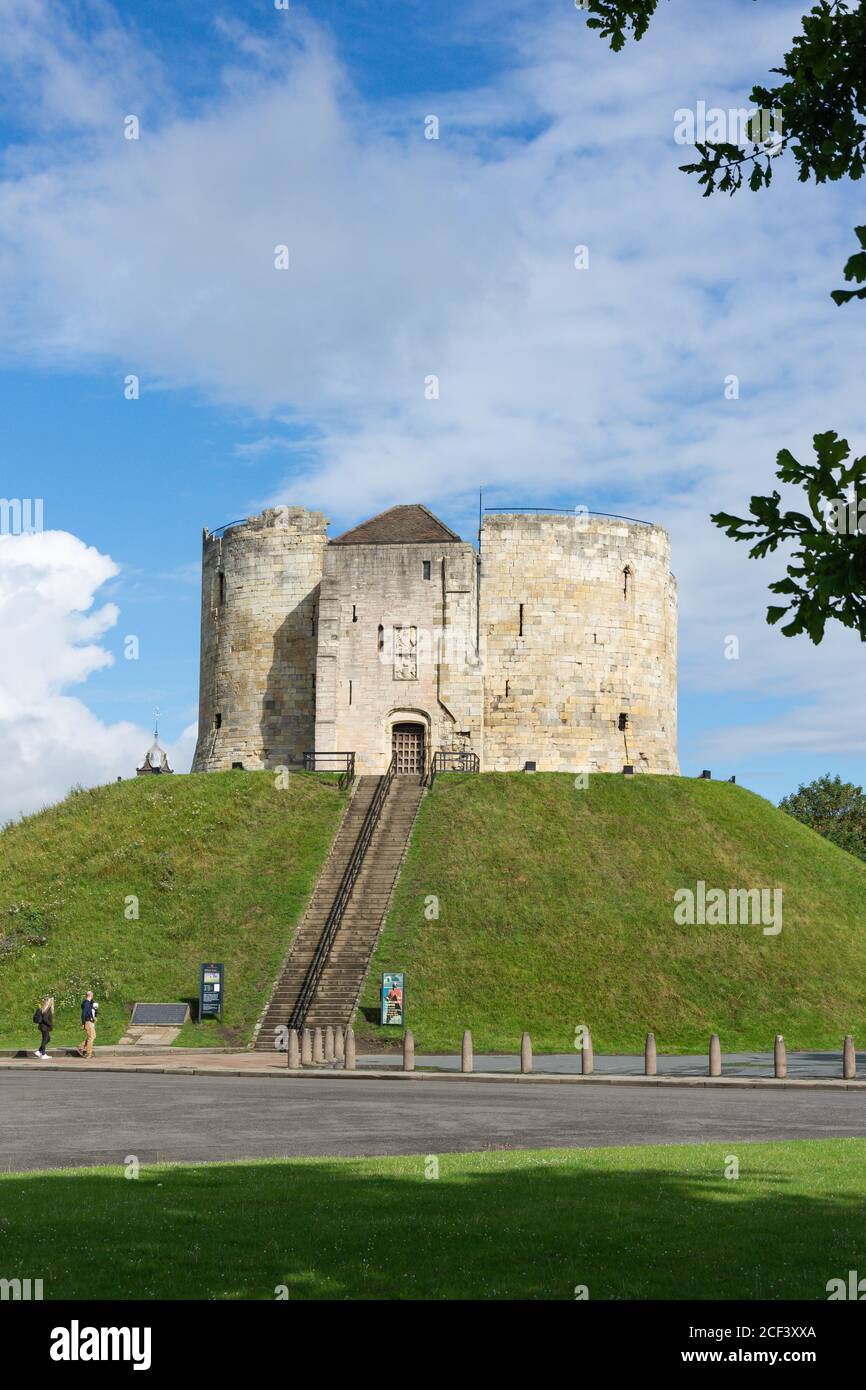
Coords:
pixel 156 758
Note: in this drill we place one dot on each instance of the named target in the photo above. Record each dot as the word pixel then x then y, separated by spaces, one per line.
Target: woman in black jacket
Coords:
pixel 45 1019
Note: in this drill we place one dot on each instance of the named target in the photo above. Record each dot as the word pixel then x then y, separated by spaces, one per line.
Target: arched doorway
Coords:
pixel 407 747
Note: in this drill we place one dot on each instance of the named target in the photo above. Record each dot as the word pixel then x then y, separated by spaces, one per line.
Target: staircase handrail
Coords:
pixel 314 755
pixel 338 907
pixel 461 762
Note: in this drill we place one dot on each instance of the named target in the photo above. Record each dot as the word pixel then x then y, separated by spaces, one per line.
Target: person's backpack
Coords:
pixel 37 1017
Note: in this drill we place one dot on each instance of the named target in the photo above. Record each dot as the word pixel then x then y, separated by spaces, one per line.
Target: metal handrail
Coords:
pixel 338 908
pixel 462 762
pixel 314 756
pixel 571 511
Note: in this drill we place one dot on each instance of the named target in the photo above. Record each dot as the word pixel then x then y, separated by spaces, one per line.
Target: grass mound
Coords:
pixel 556 908
pixel 217 866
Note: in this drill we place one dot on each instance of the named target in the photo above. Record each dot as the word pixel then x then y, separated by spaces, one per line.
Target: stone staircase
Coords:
pixel 349 960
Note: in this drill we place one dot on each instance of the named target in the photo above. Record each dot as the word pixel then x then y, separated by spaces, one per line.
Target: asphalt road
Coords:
pixel 55 1120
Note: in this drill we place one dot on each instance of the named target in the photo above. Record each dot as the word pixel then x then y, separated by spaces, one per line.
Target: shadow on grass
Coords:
pixel 192 1001
pixel 492 1226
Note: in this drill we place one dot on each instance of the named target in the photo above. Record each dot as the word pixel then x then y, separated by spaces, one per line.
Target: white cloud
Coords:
pixel 50 740
pixel 63 82
pixel 454 257
pixel 181 750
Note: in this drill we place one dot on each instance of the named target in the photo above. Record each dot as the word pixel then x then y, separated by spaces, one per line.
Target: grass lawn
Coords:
pixel 556 908
pixel 222 865
pixel 656 1222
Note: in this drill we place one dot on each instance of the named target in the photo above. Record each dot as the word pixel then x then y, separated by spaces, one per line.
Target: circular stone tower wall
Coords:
pixel 579 637
pixel 260 586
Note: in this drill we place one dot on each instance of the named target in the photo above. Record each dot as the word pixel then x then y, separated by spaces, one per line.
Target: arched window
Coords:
pixel 627 581
pixel 380 641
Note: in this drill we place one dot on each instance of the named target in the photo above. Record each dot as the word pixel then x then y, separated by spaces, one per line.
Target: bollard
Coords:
pixel 339 1045
pixel 715 1056
pixel 349 1053
pixel 294 1050
pixel 318 1047
pixel 780 1061
pixel 849 1058
pixel 525 1054
pixel 306 1047
pixel 586 1057
pixel 329 1043
pixel 650 1065
pixel 466 1052
pixel 408 1051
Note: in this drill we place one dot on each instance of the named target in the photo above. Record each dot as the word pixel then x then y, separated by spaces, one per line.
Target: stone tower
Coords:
pixel 556 646
pixel 579 644
pixel 259 618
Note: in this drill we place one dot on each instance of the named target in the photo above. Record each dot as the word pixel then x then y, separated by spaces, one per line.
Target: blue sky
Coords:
pixel 601 387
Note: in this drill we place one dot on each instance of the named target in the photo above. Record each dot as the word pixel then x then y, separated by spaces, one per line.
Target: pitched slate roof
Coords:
pixel 410 524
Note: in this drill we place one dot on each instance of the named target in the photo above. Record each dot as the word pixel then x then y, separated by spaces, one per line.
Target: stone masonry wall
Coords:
pixel 379 661
pixel 258 640
pixel 579 628
pixel 309 645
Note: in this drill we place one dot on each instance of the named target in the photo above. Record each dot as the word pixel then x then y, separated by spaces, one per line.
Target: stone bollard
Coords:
pixel 408 1050
pixel 318 1047
pixel 306 1047
pixel 586 1057
pixel 349 1051
pixel 780 1060
pixel 466 1052
pixel 650 1064
pixel 329 1043
pixel 339 1046
pixel 294 1050
pixel 525 1054
pixel 715 1056
pixel 849 1058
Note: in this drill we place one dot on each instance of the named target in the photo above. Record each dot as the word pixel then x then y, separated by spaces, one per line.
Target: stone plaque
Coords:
pixel 405 653
pixel 166 1015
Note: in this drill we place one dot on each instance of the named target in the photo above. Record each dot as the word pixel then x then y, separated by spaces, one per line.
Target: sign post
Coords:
pixel 210 992
pixel 393 999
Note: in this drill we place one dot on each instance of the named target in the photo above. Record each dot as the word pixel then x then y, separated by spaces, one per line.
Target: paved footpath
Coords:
pixel 105 1116
pixel 801 1065
pixel 745 1066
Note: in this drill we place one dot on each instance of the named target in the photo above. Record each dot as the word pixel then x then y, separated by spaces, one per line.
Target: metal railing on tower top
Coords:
pixel 568 511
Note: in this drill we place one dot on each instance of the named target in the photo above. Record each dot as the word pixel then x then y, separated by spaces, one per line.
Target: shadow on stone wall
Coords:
pixel 288 719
